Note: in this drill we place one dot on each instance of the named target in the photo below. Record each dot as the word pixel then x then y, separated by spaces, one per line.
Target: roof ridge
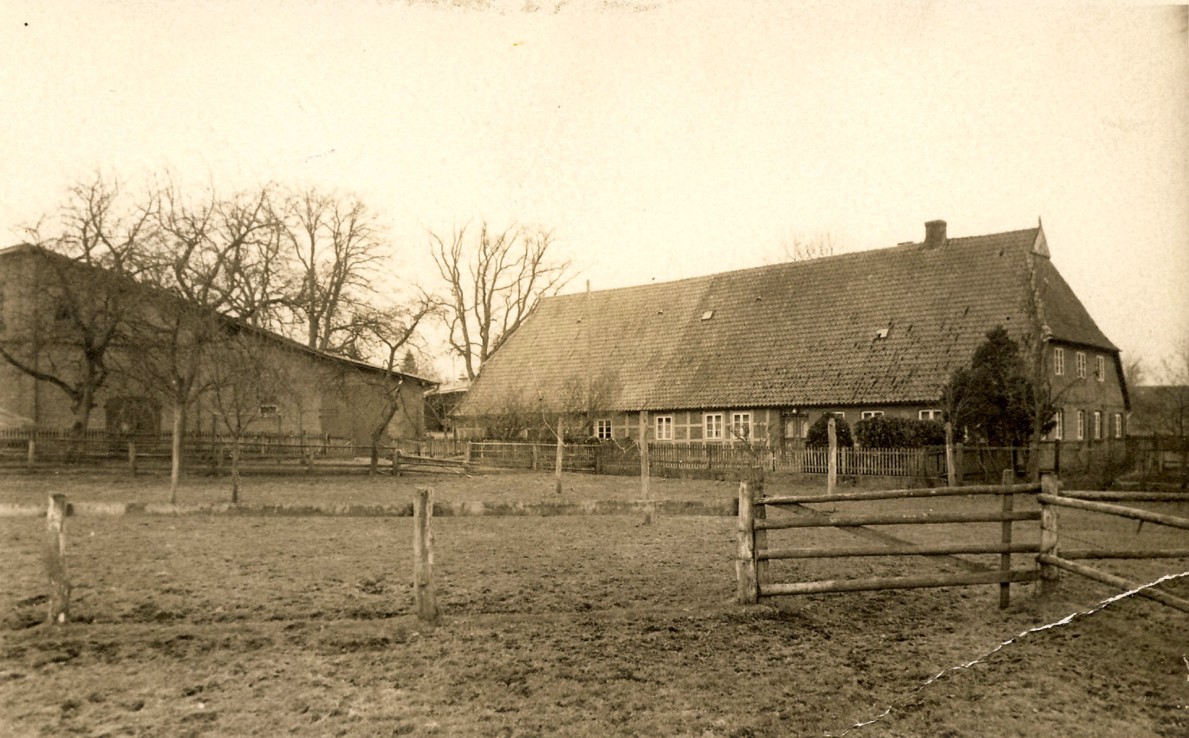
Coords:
pixel 906 246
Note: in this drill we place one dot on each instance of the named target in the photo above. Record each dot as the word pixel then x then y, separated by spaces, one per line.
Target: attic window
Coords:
pixel 708 315
pixel 881 333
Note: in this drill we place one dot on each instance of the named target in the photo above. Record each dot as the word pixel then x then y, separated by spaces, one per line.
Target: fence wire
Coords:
pixel 968 664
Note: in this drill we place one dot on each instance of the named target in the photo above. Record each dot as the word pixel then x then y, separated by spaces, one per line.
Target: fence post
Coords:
pixel 760 537
pixel 395 462
pixel 31 453
pixel 55 560
pixel 1049 574
pixel 832 461
pixel 748 586
pixel 1005 558
pixel 536 456
pixel 132 456
pixel 423 590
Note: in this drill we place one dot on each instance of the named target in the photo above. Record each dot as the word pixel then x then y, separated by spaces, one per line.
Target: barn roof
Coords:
pixel 875 327
pixel 28 249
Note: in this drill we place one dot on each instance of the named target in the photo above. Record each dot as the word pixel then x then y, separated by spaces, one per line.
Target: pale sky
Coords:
pixel 658 140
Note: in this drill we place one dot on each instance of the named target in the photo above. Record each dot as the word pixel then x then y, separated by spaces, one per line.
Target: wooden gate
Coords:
pixel 754 552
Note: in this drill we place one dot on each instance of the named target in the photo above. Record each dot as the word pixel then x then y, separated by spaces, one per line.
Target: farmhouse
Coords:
pixel 316 393
pixel 759 353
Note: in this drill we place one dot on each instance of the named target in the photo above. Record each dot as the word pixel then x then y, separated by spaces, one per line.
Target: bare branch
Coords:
pixel 492 286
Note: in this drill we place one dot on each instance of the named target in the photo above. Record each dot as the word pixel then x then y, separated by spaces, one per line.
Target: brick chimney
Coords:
pixel 934 234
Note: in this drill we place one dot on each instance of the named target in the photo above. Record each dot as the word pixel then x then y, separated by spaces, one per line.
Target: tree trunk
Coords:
pixel 560 457
pixel 1034 447
pixel 951 472
pixel 645 472
pixel 236 453
pixel 175 451
pixel 374 456
pixel 378 431
pixel 83 402
pixel 832 461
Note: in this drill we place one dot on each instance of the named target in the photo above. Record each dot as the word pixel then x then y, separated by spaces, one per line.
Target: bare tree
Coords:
pixel 494 280
pixel 335 242
pixel 583 400
pixel 515 415
pixel 803 247
pixel 247 381
pixel 215 262
pixel 1035 343
pixel 88 256
pixel 1135 371
pixel 383 337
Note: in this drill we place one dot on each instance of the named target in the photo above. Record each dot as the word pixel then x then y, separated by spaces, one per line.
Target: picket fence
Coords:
pixel 674 459
pixel 707 459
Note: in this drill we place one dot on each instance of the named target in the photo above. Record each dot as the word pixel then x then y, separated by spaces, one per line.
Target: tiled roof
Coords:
pixel 795 334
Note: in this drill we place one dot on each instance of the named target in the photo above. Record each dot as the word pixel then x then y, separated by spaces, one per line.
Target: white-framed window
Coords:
pixel 1058 431
pixel 867 414
pixel 269 411
pixel 663 428
pixel 740 426
pixel 1100 368
pixel 840 414
pixel 1097 425
pixel 1081 425
pixel 1081 361
pixel 1118 425
pixel 1059 361
pixel 712 426
pixel 930 415
pixel 603 429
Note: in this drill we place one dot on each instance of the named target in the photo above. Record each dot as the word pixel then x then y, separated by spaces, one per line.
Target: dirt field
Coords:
pixel 577 625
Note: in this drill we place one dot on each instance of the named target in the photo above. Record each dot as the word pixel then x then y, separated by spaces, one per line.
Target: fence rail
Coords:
pixel 704 459
pixel 753 527
pixel 754 554
pixel 63 446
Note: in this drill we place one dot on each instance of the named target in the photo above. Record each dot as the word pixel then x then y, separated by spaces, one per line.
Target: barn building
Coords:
pixel 321 394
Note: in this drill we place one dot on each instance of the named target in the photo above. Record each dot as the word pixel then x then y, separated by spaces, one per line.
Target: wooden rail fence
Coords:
pixel 270 453
pixel 1052 558
pixel 754 553
pixel 54 556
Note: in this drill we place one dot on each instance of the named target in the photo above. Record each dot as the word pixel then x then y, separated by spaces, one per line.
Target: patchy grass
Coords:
pixel 226 625
pixel 23 488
